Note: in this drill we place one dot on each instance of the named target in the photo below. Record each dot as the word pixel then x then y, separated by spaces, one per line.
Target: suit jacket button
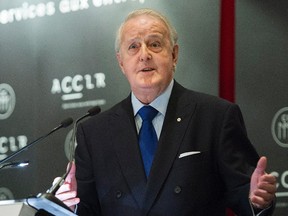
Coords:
pixel 177 190
pixel 118 194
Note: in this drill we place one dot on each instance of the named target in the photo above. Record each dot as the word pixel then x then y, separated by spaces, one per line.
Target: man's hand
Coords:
pixel 67 193
pixel 262 186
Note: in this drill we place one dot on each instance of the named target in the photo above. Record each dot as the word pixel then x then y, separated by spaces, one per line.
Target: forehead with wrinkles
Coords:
pixel 158 17
pixel 144 26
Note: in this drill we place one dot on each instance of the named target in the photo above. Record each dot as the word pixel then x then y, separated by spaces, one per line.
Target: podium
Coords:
pixel 32 206
pixel 16 208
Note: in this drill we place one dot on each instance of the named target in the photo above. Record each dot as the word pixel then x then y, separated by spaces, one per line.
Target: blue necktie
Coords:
pixel 147 136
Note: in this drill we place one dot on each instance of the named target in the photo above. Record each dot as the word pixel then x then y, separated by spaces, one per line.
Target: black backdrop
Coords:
pixel 57 57
pixel 261 66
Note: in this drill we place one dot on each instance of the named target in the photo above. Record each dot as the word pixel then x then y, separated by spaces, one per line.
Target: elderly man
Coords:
pixel 164 150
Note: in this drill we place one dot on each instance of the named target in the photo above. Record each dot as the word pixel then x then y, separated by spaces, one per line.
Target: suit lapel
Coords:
pixel 178 115
pixel 127 150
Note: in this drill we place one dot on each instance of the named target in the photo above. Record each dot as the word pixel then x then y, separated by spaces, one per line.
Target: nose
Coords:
pixel 145 54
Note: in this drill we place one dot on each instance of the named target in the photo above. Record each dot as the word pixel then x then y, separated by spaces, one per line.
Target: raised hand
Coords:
pixel 262 186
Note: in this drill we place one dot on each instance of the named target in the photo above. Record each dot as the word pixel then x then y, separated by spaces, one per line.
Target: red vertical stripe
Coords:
pixel 227 55
pixel 227 50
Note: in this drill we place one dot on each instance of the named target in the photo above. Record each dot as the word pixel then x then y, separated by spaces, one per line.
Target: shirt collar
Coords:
pixel 160 103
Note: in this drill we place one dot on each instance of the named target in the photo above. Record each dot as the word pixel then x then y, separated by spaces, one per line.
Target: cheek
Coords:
pixel 127 67
pixel 166 64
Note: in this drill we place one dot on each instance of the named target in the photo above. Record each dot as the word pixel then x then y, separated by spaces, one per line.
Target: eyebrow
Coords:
pixel 154 35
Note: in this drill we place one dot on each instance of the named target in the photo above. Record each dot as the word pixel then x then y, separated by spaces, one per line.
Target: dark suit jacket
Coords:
pixel 110 175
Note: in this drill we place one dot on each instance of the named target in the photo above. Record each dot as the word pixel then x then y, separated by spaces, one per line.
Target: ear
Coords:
pixel 175 54
pixel 120 62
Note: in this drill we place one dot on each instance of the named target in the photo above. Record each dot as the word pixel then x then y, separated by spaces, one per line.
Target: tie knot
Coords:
pixel 147 113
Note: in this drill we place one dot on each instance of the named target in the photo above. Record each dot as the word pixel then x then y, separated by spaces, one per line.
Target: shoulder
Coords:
pixel 203 100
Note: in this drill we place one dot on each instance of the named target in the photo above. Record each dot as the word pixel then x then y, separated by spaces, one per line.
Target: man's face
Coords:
pixel 146 55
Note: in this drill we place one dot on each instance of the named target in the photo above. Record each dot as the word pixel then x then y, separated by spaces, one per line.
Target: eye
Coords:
pixel 155 46
pixel 133 48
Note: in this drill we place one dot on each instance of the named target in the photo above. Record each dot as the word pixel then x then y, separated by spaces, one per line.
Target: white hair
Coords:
pixel 172 32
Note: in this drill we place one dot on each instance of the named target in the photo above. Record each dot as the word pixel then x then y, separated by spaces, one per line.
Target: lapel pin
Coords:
pixel 179 119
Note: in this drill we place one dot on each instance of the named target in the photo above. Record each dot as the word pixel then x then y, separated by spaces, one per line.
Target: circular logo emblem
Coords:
pixel 5 194
pixel 7 100
pixel 68 144
pixel 279 127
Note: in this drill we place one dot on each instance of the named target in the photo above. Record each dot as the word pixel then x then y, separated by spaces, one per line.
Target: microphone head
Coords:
pixel 94 110
pixel 66 122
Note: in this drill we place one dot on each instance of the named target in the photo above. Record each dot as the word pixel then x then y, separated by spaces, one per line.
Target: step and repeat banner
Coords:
pixel 57 60
pixel 262 83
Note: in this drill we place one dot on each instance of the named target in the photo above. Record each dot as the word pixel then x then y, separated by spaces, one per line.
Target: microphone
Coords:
pixel 91 112
pixel 65 123
pixel 14 164
pixel 49 196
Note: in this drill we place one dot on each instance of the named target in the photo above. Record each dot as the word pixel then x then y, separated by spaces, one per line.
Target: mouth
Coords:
pixel 147 69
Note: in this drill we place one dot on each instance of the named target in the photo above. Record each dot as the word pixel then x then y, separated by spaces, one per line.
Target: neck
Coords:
pixel 148 95
pixel 146 99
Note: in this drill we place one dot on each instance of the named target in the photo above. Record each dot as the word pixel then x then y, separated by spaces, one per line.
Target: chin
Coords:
pixel 148 84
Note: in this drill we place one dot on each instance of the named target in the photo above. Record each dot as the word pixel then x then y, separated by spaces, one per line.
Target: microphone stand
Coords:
pixel 93 111
pixel 50 193
pixel 37 203
pixel 64 124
